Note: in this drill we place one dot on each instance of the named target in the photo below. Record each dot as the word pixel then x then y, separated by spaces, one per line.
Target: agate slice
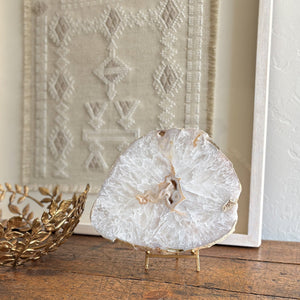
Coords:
pixel 170 189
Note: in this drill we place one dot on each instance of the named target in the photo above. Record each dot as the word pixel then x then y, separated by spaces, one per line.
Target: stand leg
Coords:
pixel 147 258
pixel 194 255
pixel 197 260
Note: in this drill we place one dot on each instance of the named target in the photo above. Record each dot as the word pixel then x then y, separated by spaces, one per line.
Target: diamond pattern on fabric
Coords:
pixel 170 13
pixel 113 21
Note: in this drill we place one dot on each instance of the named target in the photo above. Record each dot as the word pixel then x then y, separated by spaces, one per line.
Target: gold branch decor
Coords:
pixel 25 238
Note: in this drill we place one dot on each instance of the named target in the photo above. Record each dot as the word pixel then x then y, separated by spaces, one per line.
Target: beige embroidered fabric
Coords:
pixel 100 73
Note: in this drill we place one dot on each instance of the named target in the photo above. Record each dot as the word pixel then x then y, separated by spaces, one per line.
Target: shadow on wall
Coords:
pixel 236 60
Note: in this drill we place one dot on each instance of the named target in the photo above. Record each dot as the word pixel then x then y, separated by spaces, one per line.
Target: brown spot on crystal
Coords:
pixel 228 205
pixel 196 139
pixel 174 183
pixel 161 132
pixel 142 199
pixel 168 191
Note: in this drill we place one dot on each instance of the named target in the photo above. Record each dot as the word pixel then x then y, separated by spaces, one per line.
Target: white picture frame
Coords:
pixel 11 71
pixel 253 237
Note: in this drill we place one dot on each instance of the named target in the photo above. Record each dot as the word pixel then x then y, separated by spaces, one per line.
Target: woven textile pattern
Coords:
pixel 99 74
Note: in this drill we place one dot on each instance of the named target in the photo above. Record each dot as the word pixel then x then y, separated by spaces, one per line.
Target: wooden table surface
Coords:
pixel 87 267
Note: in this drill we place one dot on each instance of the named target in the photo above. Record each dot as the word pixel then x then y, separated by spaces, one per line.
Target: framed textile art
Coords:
pixel 111 96
pixel 100 74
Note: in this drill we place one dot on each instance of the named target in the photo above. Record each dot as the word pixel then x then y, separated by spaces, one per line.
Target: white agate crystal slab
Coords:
pixel 170 189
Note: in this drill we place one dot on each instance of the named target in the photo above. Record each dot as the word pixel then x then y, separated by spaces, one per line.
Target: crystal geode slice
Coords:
pixel 170 189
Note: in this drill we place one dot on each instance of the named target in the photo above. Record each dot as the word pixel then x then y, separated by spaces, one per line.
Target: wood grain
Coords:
pixel 88 267
pixel 271 251
pixel 49 284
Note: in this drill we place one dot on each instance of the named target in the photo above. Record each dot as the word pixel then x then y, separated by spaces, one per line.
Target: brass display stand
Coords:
pixel 174 254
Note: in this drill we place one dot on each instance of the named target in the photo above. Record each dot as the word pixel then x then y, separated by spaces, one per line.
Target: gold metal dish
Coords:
pixel 24 238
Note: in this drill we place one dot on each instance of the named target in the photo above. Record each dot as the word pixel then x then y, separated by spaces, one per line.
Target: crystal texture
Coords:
pixel 171 189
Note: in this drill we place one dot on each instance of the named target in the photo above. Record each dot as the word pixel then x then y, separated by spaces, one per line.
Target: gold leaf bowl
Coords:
pixel 24 238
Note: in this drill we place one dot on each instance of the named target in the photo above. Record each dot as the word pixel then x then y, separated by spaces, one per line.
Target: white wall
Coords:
pixel 11 78
pixel 281 219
